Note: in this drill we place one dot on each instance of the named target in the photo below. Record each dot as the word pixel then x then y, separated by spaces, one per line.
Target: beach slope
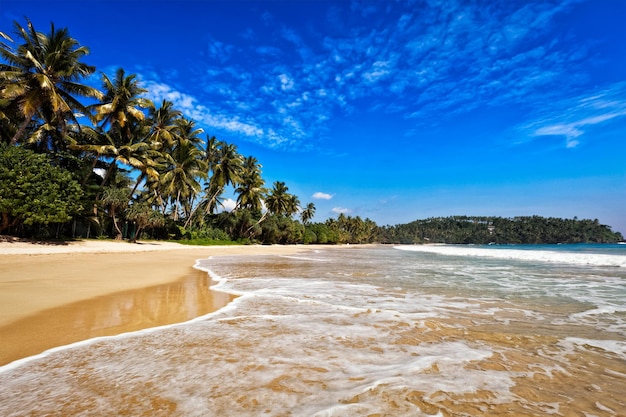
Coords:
pixel 54 294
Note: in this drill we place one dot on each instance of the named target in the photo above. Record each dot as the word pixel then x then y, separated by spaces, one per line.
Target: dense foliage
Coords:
pixel 120 165
pixel 485 230
pixel 33 191
pixel 76 161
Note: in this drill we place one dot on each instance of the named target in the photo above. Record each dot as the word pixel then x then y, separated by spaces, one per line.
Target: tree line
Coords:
pixel 499 230
pixel 78 161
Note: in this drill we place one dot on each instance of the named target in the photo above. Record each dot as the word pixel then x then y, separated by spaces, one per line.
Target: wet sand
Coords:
pixel 296 348
pixel 53 295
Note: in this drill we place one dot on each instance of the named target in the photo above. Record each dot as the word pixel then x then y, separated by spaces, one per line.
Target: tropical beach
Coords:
pixel 43 285
pixel 434 330
pixel 327 209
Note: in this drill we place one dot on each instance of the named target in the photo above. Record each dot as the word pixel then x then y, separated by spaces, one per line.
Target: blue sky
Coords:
pixel 389 110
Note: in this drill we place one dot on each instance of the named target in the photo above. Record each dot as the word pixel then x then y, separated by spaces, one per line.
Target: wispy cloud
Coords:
pixel 341 210
pixel 189 105
pixel 449 57
pixel 322 196
pixel 574 117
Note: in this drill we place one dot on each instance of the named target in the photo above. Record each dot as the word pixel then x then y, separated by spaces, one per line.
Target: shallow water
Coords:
pixel 358 332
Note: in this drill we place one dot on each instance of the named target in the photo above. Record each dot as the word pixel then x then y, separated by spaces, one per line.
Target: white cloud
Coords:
pixel 341 210
pixel 286 83
pixel 159 91
pixel 229 204
pixel 101 172
pixel 322 196
pixel 232 125
pixel 379 70
pixel 570 131
pixel 571 119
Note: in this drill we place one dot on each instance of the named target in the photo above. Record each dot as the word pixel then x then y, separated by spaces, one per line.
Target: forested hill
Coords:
pixel 484 230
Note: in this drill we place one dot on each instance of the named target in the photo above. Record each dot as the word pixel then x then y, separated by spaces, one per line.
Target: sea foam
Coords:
pixel 372 331
pixel 540 255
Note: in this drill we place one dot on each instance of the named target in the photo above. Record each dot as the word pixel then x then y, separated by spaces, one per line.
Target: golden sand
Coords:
pixel 53 295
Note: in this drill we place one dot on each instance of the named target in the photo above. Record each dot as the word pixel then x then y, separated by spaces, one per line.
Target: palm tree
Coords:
pixel 212 147
pixel 307 214
pixel 121 104
pixel 184 166
pixel 163 124
pixel 226 169
pixel 123 133
pixel 250 190
pixel 115 200
pixel 280 202
pixel 143 217
pixel 41 79
pixel 167 128
pixel 186 129
pixel 134 152
pixel 293 205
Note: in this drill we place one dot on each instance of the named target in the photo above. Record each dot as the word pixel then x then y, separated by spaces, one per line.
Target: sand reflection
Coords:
pixel 112 314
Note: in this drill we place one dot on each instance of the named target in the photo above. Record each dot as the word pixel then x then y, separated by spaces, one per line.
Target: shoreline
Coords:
pixel 54 295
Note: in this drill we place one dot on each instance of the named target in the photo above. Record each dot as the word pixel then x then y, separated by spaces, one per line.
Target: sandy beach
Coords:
pixel 55 294
pixel 342 331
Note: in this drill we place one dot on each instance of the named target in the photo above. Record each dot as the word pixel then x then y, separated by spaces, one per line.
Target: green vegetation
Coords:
pixel 485 230
pixel 67 165
pixel 79 162
pixel 208 242
pixel 33 191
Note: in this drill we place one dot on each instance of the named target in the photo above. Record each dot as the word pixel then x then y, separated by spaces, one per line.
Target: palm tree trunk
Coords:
pixel 108 174
pixel 21 130
pixel 136 235
pixel 139 179
pixel 5 221
pixel 160 201
pixel 176 206
pixel 117 227
pixel 208 205
pixel 193 211
pixel 213 197
pixel 257 223
pixel 93 166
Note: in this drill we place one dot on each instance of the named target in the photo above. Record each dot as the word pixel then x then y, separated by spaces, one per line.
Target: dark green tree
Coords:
pixel 307 213
pixel 143 217
pixel 33 191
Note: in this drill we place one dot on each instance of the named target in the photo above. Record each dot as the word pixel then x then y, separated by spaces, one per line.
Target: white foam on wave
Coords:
pixel 617 347
pixel 312 346
pixel 305 258
pixel 523 255
pixel 604 309
pixel 266 339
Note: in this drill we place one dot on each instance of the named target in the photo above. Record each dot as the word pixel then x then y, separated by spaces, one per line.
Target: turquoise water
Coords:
pixel 356 331
pixel 599 248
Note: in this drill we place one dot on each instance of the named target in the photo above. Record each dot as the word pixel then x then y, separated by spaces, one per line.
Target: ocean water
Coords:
pixel 364 331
